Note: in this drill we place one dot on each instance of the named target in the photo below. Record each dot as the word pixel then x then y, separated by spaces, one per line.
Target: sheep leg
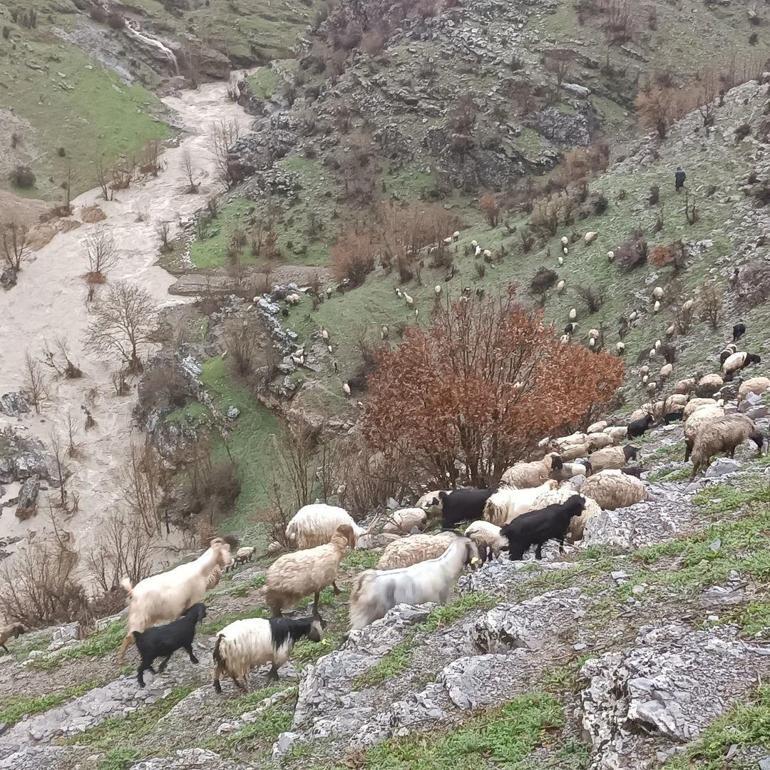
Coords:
pixel 244 686
pixel 337 591
pixel 164 663
pixel 5 648
pixel 316 597
pixel 140 675
pixel 561 546
pixel 273 675
pixel 218 671
pixel 539 552
pixel 190 652
pixel 126 642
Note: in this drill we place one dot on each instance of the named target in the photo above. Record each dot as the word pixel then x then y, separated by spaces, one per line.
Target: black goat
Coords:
pixel 738 331
pixel 638 427
pixel 463 505
pixel 164 641
pixel 537 527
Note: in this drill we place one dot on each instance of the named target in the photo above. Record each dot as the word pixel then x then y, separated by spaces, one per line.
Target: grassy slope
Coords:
pixel 71 102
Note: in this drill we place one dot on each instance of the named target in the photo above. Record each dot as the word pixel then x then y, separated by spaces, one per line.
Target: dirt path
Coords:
pixel 49 301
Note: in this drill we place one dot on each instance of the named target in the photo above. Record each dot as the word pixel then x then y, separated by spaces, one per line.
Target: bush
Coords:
pixel 163 387
pixel 600 204
pixel 353 257
pixel 654 195
pixel 591 296
pixel 742 131
pixel 543 280
pixel 633 252
pixel 22 177
pixel 491 208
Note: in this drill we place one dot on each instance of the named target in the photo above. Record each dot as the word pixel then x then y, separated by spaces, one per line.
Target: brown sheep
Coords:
pixel 612 457
pixel 614 489
pixel 723 435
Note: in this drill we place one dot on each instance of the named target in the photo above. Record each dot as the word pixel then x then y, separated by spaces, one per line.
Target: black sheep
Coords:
pixel 463 505
pixel 633 470
pixel 537 527
pixel 738 331
pixel 638 427
pixel 674 416
pixel 164 641
pixel 570 328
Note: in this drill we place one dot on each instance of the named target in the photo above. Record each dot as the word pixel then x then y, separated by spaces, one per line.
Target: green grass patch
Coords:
pixel 721 498
pixel 389 666
pixel 500 737
pixel 358 561
pixel 98 645
pixel 666 474
pixel 215 234
pixel 263 82
pixel 15 708
pixel 458 608
pixel 194 414
pixel 251 700
pixel 746 725
pixel 126 732
pixel 118 759
pixel 754 619
pixel 249 443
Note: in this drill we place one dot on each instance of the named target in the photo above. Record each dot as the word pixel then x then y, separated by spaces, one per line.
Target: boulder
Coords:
pixel 14 404
pixel 26 506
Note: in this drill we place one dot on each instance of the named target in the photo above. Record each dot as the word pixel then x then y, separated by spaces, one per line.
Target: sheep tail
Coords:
pixel 127 587
pixel 217 652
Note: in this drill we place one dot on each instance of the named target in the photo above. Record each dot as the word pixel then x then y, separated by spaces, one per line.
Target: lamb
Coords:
pixel 727 351
pixel 487 538
pixel 577 523
pixel 506 504
pixel 463 505
pixel 612 457
pixel 302 573
pixel 756 385
pixel 415 548
pixel 523 475
pixel 242 555
pixel 617 432
pixel 404 520
pixel 699 417
pixel 164 641
pixel 639 427
pixel 377 591
pixel 537 527
pixel 430 502
pixel 738 331
pixel 12 630
pixel 245 644
pixel 613 489
pixel 738 361
pixel 165 596
pixel 316 524
pixel 723 435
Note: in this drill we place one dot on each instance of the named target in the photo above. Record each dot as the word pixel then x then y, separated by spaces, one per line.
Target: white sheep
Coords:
pixel 293 299
pixel 430 502
pixel 575 451
pixel 474 244
pixel 597 441
pixel 671 330
pixel 375 592
pixel 316 524
pixel 738 361
pixel 657 292
pixel 437 290
pixel 487 253
pixel 564 240
pixel 164 597
pixel 242 555
pixel 346 389
pixel 590 237
pixel 448 240
pixel 408 299
pixel 560 286
pixel 324 334
pixel 632 316
pixel 456 235
pixel 610 256
pixel 523 475
pixel 413 549
pixel 611 457
pixel 665 371
pixel 384 332
pixel 701 416
pixel 613 489
pixel 506 504
pixel 303 573
pixel 404 520
pixel 572 314
pixel 694 404
pixel 620 347
pixel 617 432
pixel 560 260
pixel 487 538
pixel 755 385
pixel 245 644
pixel 597 427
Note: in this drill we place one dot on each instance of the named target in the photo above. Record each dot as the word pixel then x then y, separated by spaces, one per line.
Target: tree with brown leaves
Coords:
pixel 479 388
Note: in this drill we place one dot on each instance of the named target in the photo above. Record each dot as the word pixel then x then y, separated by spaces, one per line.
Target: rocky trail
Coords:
pixel 637 638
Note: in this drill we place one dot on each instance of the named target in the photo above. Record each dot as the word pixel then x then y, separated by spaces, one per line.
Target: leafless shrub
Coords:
pixel 22 177
pixel 187 166
pixel 142 486
pixel 224 134
pixel 684 318
pixel 654 196
pixel 34 381
pixel 163 230
pixel 543 280
pixel 15 245
pixel 162 388
pixel 242 347
pixel 591 296
pixel 119 382
pixel 710 301
pixel 632 253
pixel 102 255
pixel 121 550
pixel 59 359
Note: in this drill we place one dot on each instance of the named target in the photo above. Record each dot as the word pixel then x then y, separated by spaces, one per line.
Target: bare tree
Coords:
pixel 15 245
pixel 59 359
pixel 142 487
pixel 224 134
pixel 101 178
pixel 60 479
pixel 187 165
pixel 123 324
pixel 163 230
pixel 710 302
pixel 72 447
pixel 34 381
pixel 102 255
pixel 121 550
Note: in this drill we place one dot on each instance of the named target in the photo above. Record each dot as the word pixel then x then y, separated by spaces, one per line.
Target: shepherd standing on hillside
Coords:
pixel 679 178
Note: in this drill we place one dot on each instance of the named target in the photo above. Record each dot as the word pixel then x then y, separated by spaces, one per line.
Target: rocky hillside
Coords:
pixel 644 646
